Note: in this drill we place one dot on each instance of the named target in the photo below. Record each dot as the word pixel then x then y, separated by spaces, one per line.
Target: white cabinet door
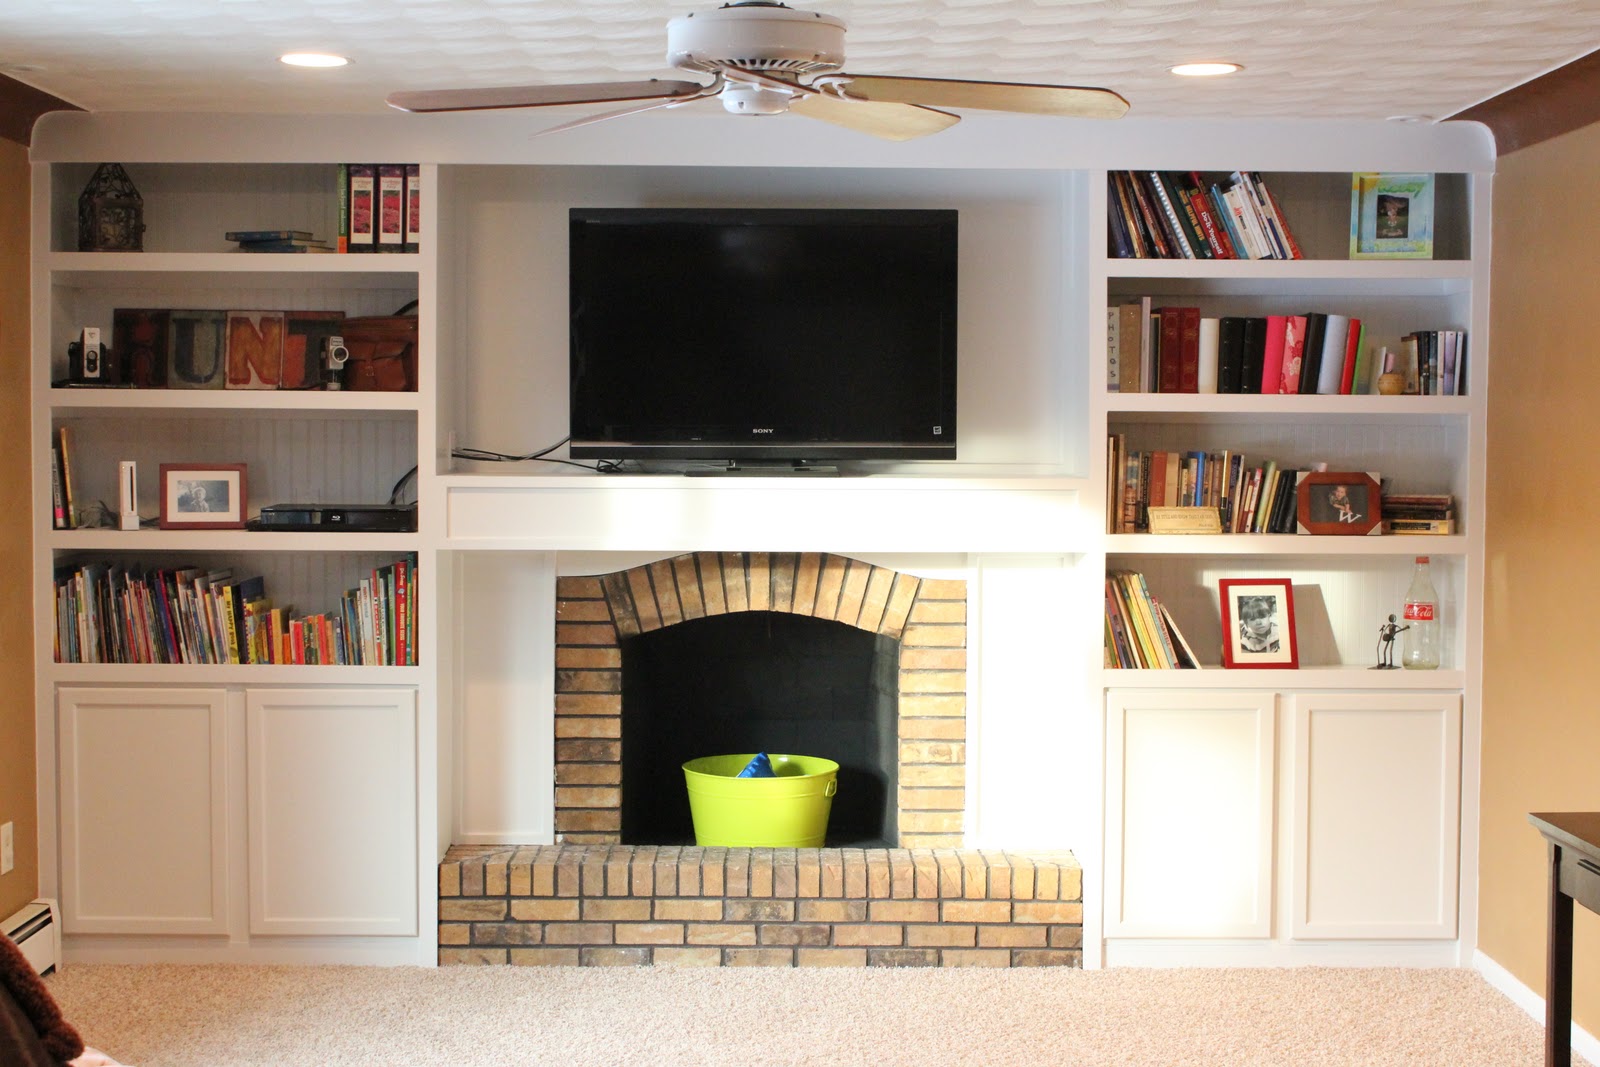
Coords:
pixel 1376 789
pixel 332 811
pixel 143 805
pixel 1189 813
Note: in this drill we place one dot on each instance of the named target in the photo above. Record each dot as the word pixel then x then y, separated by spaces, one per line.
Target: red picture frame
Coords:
pixel 1258 624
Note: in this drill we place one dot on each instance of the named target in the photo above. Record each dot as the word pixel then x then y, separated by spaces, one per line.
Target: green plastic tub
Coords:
pixel 788 810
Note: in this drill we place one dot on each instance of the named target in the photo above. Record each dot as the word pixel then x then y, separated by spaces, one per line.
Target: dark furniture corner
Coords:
pixel 1574 838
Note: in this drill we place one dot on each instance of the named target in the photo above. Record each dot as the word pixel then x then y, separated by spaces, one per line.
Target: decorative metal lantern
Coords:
pixel 110 212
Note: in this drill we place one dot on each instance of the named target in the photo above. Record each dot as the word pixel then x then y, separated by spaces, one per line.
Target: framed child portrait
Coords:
pixel 1338 502
pixel 207 496
pixel 1391 216
pixel 1258 623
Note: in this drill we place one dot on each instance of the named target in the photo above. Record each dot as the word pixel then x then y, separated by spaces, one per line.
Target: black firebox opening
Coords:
pixel 752 682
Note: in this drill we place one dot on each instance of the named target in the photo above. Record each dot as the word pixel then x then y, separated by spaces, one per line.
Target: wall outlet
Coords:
pixel 8 848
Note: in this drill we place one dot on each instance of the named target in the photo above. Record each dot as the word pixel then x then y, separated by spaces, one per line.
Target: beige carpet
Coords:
pixel 215 1016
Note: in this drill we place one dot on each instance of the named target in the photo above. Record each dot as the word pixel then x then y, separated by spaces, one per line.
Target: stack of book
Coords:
pixel 107 613
pixel 1249 498
pixel 1162 214
pixel 277 241
pixel 1139 630
pixel 1419 513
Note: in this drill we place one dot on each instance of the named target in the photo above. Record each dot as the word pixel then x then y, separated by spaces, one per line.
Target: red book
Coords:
pixel 1180 349
pixel 1294 345
pixel 1216 231
pixel 1272 361
pixel 1351 348
pixel 1156 494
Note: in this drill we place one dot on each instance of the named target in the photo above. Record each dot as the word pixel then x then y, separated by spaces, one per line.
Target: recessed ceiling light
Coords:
pixel 1205 70
pixel 312 59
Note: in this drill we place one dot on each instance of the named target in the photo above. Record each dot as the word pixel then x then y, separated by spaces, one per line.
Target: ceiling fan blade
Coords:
pixel 891 121
pixel 650 105
pixel 542 95
pixel 1072 101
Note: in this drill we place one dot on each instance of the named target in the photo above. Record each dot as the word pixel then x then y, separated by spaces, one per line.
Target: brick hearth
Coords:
pixel 618 905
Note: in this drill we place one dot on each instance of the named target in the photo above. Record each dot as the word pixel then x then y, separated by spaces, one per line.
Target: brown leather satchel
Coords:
pixel 383 354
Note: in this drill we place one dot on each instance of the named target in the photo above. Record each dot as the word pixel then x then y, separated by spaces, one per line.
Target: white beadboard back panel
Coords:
pixel 290 460
pixel 1338 604
pixel 1011 332
pixel 189 209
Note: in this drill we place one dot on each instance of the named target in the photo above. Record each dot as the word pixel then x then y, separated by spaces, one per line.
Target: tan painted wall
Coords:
pixel 1541 703
pixel 16 632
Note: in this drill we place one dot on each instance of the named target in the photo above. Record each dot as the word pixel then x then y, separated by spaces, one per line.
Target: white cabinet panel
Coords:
pixel 1189 814
pixel 1376 823
pixel 332 811
pixel 143 811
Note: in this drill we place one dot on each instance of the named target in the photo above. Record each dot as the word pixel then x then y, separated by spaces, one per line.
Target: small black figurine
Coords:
pixel 1386 635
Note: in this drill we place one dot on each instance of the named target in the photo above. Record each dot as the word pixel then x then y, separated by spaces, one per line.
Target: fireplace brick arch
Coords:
pixel 927 616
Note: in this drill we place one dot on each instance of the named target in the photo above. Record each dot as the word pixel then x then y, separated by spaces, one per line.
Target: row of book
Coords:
pixel 1250 497
pixel 1160 214
pixel 1176 349
pixel 106 613
pixel 1139 630
pixel 204 348
pixel 380 207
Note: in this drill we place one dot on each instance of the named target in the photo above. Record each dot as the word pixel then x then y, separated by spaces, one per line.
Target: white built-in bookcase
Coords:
pixel 1021 516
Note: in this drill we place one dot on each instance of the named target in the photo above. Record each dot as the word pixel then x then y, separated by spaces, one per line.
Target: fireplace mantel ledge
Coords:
pixel 671 513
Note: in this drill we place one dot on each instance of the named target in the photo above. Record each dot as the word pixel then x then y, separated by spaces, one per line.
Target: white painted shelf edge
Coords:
pixel 1302 680
pixel 1267 545
pixel 189 674
pixel 295 401
pixel 98 540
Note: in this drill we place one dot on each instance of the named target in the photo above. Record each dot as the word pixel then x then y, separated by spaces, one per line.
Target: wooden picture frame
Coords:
pixel 1391 216
pixel 1258 623
pixel 1341 503
pixel 208 496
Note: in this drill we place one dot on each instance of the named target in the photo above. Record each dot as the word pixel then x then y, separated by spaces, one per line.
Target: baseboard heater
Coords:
pixel 36 929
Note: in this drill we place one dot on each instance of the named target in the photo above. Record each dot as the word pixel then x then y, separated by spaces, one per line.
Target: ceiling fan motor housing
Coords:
pixel 766 37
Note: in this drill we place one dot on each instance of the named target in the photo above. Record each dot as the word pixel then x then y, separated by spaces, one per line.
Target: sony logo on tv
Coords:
pixel 761 429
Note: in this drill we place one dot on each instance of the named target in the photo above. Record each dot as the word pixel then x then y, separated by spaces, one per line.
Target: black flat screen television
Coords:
pixel 774 334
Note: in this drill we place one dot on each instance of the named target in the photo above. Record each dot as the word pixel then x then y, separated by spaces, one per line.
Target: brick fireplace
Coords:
pixel 595 614
pixel 594 898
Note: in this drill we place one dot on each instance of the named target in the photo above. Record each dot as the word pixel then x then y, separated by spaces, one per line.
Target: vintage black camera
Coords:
pixel 89 362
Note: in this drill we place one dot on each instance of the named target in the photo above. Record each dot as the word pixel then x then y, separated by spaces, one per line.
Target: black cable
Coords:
pixel 484 455
pixel 394 494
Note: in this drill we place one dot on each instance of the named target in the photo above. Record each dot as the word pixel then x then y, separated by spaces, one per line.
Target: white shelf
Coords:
pixel 296 401
pixel 1206 407
pixel 1268 545
pixel 228 541
pixel 241 268
pixel 1348 677
pixel 220 674
pixel 1296 275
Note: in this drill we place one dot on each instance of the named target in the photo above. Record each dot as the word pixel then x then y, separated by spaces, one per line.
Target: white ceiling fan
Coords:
pixel 766 58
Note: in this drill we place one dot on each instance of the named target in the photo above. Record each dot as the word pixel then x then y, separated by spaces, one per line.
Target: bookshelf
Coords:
pixel 1020 517
pixel 185 731
pixel 1344 586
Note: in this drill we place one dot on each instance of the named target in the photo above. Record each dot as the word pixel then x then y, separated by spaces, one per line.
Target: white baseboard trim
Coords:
pixel 1583 1043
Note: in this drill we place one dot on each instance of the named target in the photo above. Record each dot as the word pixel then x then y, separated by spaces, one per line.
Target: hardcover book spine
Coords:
pixel 1272 359
pixel 1209 353
pixel 1294 344
pixel 342 183
pixel 1335 338
pixel 1174 221
pixel 414 224
pixel 391 207
pixel 363 211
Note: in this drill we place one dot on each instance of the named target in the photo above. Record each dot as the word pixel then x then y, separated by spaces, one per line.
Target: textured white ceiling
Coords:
pixel 1306 59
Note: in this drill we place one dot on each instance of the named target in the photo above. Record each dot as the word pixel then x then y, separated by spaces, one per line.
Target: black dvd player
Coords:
pixel 365 518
